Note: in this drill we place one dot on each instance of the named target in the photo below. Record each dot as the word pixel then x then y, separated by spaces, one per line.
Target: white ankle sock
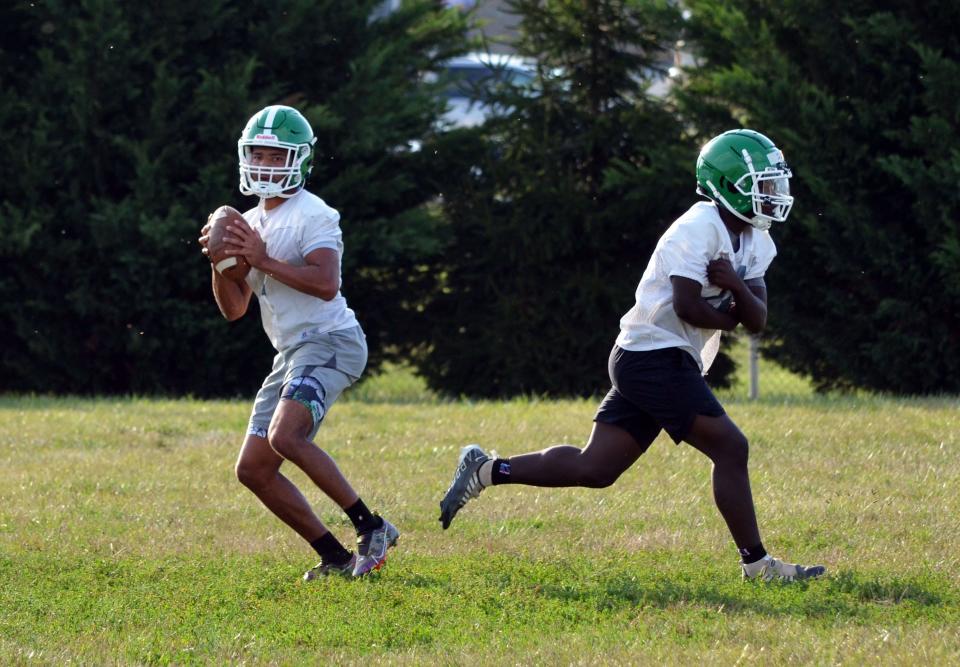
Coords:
pixel 485 473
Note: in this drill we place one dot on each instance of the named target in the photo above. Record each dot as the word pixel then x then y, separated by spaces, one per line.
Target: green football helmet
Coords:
pixel 276 127
pixel 745 172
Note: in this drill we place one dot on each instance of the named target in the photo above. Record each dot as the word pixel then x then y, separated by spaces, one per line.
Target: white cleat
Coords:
pixel 769 568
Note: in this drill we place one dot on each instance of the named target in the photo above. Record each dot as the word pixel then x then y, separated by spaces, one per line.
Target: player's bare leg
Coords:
pixel 290 427
pixel 609 452
pixel 258 468
pixel 721 440
pixel 292 423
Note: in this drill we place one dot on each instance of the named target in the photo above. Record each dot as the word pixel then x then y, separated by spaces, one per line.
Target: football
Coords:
pixel 234 267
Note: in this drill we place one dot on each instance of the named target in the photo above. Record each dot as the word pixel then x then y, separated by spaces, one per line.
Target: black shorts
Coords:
pixel 653 390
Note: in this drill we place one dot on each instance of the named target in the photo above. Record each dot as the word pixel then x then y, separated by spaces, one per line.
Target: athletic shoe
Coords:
pixel 466 483
pixel 372 547
pixel 322 569
pixel 769 568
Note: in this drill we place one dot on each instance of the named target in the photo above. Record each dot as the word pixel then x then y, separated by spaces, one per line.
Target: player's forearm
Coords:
pixel 751 311
pixel 231 298
pixel 318 281
pixel 699 313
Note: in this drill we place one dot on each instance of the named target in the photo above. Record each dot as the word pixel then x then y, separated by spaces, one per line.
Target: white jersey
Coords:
pixel 694 239
pixel 291 231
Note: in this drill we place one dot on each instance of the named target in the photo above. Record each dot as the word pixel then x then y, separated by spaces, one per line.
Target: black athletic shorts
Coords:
pixel 653 390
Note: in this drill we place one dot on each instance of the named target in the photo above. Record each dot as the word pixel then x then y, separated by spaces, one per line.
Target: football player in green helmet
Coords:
pixel 745 173
pixel 284 135
pixel 705 275
pixel 293 243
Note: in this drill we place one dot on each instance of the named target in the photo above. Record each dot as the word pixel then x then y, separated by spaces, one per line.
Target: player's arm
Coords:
pixel 232 298
pixel 751 306
pixel 750 297
pixel 694 309
pixel 319 276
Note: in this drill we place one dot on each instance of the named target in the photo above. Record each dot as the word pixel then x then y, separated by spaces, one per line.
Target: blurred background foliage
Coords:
pixel 864 99
pixel 496 259
pixel 568 192
pixel 126 119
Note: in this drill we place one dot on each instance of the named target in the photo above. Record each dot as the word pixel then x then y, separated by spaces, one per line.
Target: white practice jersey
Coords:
pixel 692 241
pixel 291 231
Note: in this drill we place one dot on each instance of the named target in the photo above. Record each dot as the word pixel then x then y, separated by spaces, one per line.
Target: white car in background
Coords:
pixel 469 75
pixel 467 78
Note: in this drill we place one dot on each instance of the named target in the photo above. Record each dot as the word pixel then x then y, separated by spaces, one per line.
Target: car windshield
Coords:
pixel 469 82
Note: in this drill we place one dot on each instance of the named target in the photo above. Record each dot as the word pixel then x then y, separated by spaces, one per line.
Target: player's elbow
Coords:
pixel 233 314
pixel 327 290
pixel 755 324
pixel 326 293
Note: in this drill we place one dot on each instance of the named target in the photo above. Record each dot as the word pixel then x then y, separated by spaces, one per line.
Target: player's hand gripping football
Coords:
pixel 205 237
pixel 720 272
pixel 247 242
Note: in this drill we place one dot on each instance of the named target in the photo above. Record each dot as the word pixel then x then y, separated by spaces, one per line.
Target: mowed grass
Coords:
pixel 125 538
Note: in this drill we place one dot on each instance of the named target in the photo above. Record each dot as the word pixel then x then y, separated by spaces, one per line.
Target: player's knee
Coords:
pixel 737 451
pixel 598 478
pixel 285 444
pixel 251 476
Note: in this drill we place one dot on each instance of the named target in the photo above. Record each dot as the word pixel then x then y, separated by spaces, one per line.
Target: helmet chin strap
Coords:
pixel 250 186
pixel 283 194
pixel 760 222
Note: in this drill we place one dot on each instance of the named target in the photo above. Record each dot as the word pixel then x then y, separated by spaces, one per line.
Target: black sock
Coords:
pixel 501 472
pixel 753 554
pixel 330 549
pixel 363 519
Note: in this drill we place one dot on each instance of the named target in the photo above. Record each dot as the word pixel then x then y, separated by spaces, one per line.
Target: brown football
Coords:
pixel 234 267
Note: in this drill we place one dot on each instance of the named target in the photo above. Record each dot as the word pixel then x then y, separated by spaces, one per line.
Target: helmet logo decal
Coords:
pixel 266 137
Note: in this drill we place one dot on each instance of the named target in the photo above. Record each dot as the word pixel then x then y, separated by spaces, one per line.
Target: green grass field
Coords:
pixel 125 538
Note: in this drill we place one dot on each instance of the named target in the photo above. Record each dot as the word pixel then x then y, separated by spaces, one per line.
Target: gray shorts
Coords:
pixel 313 373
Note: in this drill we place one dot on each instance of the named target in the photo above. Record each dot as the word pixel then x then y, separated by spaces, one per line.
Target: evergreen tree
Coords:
pixel 123 123
pixel 571 187
pixel 862 97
